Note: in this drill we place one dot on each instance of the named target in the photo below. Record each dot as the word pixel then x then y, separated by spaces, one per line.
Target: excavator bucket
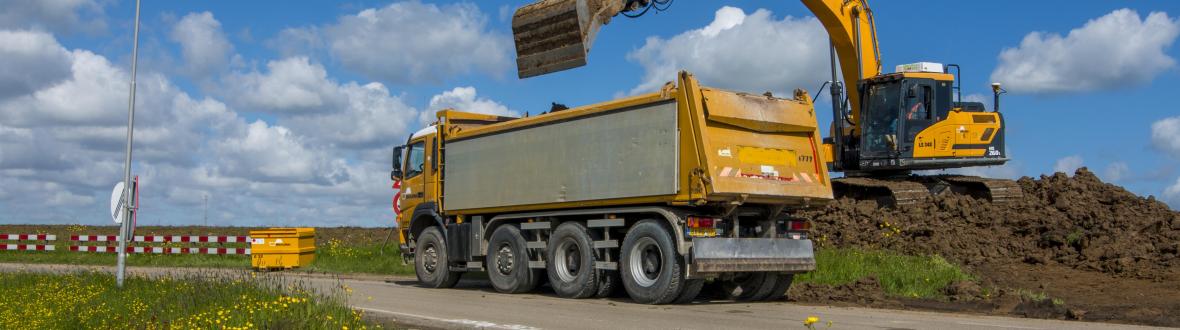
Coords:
pixel 553 35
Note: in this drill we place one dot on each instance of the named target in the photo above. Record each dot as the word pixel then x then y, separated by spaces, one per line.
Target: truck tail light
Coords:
pixel 799 225
pixel 701 222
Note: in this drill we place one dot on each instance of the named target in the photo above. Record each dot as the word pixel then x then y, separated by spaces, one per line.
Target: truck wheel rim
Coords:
pixel 504 260
pixel 567 260
pixel 430 260
pixel 646 262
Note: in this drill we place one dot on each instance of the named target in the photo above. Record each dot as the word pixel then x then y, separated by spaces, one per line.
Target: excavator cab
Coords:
pixel 910 121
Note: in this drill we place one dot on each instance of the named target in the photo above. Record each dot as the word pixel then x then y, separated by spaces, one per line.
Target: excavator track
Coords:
pixel 902 191
pixel 994 190
pixel 887 192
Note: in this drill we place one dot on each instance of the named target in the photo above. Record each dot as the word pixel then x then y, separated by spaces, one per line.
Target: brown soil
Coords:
pixel 1104 252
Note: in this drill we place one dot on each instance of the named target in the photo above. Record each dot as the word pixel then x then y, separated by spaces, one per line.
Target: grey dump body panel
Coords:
pixel 631 152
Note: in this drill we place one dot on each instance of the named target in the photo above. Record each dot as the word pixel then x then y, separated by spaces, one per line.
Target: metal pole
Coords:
pixel 124 227
pixel 206 210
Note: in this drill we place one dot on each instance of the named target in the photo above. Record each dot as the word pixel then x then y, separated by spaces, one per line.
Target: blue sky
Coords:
pixel 283 113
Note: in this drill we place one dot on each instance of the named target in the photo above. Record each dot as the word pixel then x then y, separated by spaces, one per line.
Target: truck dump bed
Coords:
pixel 684 145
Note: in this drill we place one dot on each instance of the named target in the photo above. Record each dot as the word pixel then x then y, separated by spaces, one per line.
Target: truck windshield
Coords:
pixel 880 130
pixel 416 159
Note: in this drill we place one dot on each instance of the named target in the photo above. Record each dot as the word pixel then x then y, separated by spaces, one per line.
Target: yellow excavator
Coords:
pixel 884 128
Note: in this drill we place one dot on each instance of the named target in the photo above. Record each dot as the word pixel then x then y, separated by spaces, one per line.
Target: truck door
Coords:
pixel 414 179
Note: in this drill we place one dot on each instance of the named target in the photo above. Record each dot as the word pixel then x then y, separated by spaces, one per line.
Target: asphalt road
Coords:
pixel 475 305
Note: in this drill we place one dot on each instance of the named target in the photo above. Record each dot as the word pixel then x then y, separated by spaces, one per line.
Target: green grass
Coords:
pixel 89 300
pixel 336 256
pixel 899 275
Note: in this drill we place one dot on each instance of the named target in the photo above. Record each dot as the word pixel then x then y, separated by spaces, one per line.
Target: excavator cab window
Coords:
pixel 919 108
pixel 881 121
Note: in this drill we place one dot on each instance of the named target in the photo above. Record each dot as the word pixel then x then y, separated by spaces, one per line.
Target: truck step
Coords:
pixel 536 245
pixel 536 264
pixel 606 265
pixel 604 223
pixel 608 244
pixel 534 225
pixel 474 265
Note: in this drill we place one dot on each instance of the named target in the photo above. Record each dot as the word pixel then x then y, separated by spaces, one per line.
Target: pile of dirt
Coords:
pixel 1076 221
pixel 1073 248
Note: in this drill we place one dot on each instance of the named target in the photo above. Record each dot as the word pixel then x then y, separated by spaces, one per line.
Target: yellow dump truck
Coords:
pixel 657 192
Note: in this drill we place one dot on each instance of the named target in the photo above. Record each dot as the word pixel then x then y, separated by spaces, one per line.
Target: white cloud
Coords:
pixel 410 41
pixel 202 43
pixel 1068 164
pixel 273 154
pixel 1172 194
pixel 1165 135
pixel 464 99
pixel 1113 51
pixel 30 60
pixel 57 15
pixel 61 148
pixel 1115 172
pixel 290 85
pixel 349 114
pixel 739 51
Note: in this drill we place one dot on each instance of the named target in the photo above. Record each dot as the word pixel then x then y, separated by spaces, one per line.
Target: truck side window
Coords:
pixel 416 159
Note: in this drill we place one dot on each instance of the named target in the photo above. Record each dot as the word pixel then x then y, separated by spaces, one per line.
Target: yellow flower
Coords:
pixel 810 320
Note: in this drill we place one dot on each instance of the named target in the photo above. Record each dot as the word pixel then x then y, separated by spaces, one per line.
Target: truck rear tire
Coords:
pixel 781 284
pixel 747 286
pixel 508 261
pixel 570 261
pixel 651 269
pixel 430 261
pixel 692 288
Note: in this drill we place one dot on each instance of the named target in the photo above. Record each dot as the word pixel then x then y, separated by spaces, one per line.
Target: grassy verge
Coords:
pixel 333 257
pixel 198 301
pixel 899 275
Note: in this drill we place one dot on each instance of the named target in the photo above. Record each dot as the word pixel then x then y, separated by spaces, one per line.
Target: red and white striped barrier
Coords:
pixel 26 247
pixel 160 250
pixel 163 239
pixel 27 237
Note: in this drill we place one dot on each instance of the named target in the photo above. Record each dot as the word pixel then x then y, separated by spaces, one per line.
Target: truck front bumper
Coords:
pixel 722 254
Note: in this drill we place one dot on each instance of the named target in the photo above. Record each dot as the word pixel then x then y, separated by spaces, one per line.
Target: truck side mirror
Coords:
pixel 396 174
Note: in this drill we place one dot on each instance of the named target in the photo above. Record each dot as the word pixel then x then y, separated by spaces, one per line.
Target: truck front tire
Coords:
pixel 570 262
pixel 430 261
pixel 508 261
pixel 651 269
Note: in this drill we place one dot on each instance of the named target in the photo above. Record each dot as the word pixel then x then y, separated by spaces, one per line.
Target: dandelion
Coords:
pixel 810 322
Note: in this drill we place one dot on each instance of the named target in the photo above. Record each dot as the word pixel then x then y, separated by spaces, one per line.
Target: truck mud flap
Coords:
pixel 721 254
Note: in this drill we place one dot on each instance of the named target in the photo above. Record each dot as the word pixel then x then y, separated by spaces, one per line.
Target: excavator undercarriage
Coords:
pixel 908 189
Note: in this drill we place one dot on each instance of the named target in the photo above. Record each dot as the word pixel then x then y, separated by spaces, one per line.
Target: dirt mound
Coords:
pixel 1076 221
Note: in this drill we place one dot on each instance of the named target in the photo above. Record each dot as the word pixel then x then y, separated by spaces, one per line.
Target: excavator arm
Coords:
pixel 853 34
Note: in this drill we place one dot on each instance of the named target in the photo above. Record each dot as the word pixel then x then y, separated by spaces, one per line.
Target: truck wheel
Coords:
pixel 508 261
pixel 651 269
pixel 430 261
pixel 692 288
pixel 747 286
pixel 571 262
pixel 782 282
